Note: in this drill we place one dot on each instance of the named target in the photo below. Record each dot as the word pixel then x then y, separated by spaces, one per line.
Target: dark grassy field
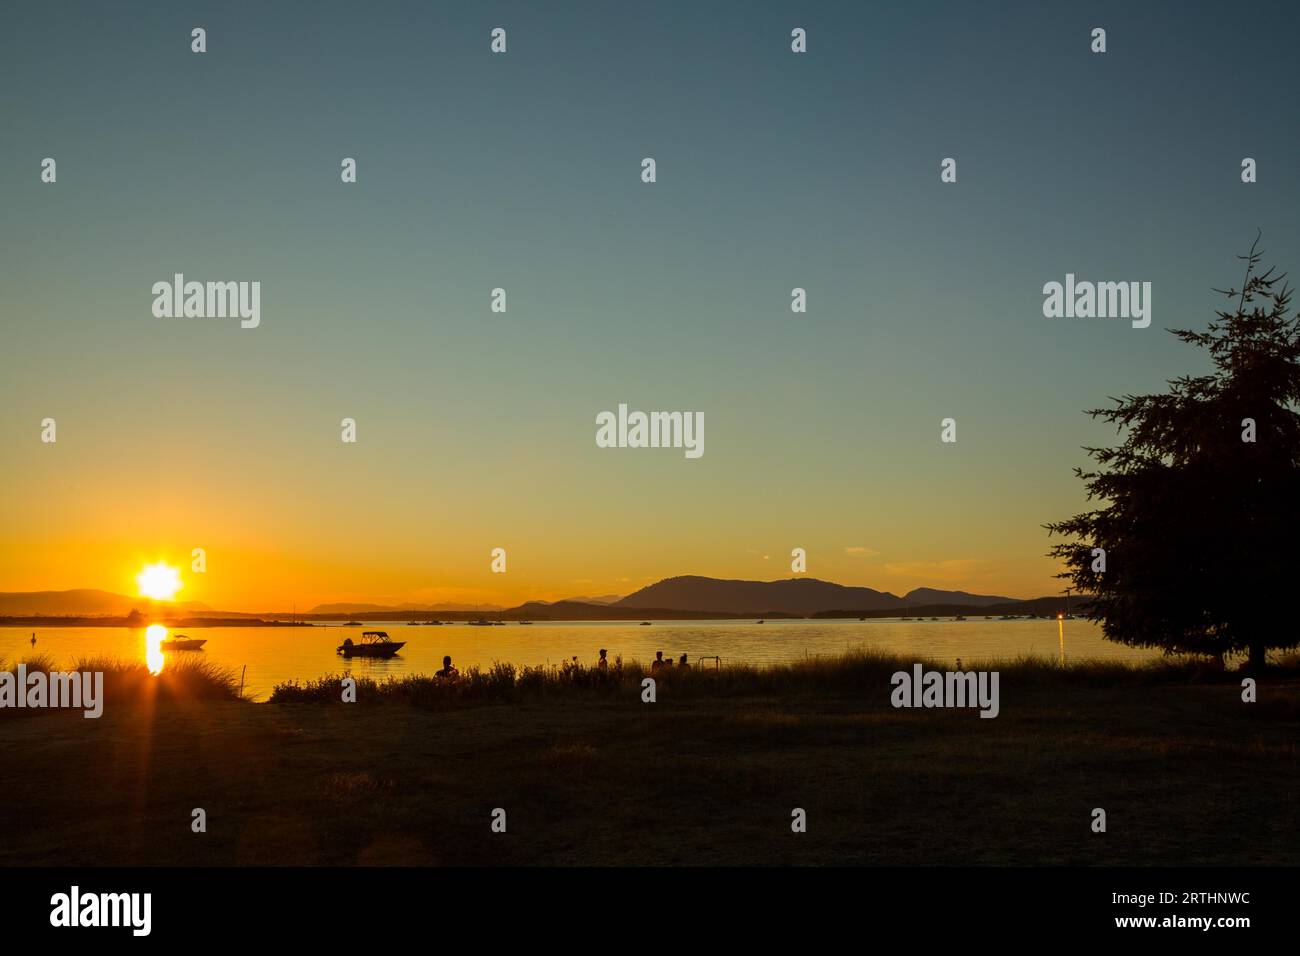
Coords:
pixel 588 774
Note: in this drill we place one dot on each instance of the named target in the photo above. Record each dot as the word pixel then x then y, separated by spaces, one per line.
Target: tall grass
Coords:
pixel 858 671
pixel 127 683
pixel 854 672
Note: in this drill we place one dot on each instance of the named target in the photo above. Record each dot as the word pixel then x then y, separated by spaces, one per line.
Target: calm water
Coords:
pixel 280 654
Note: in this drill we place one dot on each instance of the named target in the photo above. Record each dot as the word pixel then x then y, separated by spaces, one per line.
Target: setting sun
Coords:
pixel 159 581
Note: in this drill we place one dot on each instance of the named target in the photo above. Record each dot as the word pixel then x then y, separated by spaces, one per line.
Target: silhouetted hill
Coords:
pixel 794 596
pixel 932 597
pixel 578 611
pixel 80 601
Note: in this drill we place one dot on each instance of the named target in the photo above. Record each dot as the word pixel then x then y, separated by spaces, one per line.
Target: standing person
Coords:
pixel 658 662
pixel 448 671
pixel 33 640
pixel 603 664
pixel 682 665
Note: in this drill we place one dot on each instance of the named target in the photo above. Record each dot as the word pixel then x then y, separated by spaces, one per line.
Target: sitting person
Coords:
pixel 448 671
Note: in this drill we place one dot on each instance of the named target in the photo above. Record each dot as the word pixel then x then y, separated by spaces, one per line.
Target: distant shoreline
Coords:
pixel 71 621
pixel 680 598
pixel 571 613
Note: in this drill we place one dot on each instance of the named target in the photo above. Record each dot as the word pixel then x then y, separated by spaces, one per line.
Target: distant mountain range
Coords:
pixel 683 597
pixel 801 596
pixel 929 596
pixel 83 601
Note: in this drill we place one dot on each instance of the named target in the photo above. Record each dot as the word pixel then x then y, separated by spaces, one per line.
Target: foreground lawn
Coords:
pixel 1186 772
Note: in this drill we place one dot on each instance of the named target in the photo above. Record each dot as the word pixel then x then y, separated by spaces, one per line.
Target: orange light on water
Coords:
pixel 154 635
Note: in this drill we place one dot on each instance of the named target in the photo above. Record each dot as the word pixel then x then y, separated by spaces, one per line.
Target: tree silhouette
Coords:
pixel 1203 511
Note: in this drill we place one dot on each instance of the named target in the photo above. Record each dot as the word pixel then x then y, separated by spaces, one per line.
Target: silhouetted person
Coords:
pixel 33 640
pixel 448 671
pixel 658 662
pixel 682 665
pixel 603 664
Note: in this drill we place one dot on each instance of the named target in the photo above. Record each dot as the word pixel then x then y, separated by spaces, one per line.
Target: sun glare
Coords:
pixel 159 581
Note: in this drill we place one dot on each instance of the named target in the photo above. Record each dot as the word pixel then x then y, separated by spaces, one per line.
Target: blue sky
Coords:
pixel 775 170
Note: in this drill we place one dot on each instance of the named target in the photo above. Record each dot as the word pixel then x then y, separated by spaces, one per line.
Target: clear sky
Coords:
pixel 476 430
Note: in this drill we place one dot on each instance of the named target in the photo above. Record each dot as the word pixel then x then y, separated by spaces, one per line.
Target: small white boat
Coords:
pixel 182 643
pixel 372 644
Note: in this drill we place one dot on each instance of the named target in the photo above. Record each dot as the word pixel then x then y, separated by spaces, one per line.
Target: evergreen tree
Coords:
pixel 1202 513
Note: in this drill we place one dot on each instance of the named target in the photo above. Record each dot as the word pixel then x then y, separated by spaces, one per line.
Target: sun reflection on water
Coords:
pixel 154 635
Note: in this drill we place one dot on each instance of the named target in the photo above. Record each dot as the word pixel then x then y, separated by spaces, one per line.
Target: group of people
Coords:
pixel 659 663
pixel 449 671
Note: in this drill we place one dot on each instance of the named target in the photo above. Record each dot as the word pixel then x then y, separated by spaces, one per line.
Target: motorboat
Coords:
pixel 182 643
pixel 372 644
